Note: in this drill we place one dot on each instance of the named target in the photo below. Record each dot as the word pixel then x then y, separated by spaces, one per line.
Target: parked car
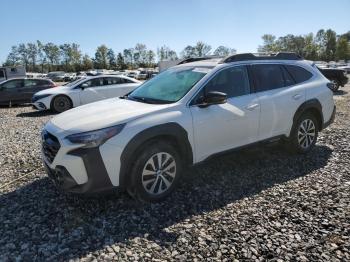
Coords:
pixel 58 76
pixel 131 74
pixel 83 91
pixel 336 76
pixel 21 90
pixel 346 68
pixel 141 75
pixel 144 141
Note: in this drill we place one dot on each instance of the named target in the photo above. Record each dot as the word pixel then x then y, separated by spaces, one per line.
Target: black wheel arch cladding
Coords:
pixel 172 130
pixel 312 105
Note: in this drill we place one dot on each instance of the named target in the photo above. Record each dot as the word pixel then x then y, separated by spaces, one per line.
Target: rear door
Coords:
pixel 118 86
pixel 279 98
pixel 31 86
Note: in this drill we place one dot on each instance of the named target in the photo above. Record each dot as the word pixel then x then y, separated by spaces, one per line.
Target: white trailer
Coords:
pixel 164 65
pixel 9 72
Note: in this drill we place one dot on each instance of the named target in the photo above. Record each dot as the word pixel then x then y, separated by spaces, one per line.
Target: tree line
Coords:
pixel 326 45
pixel 46 57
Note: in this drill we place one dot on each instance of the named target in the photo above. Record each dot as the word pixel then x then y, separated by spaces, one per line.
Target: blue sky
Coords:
pixel 121 24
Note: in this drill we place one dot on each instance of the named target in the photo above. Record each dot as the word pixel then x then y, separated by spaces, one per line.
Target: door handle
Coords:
pixel 252 106
pixel 297 96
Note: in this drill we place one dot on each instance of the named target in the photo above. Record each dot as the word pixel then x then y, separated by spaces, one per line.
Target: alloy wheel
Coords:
pixel 159 173
pixel 61 104
pixel 306 133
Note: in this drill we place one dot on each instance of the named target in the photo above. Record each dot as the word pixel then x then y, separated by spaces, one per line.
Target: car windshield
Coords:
pixel 169 86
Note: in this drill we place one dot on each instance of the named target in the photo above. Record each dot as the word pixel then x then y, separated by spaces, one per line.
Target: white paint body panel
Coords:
pixel 210 130
pixel 88 95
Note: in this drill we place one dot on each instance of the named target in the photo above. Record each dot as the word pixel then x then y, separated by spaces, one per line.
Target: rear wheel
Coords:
pixel 61 103
pixel 304 134
pixel 155 173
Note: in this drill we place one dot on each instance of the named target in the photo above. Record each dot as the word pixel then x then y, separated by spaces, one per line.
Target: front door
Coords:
pixel 10 91
pixel 222 127
pixel 92 90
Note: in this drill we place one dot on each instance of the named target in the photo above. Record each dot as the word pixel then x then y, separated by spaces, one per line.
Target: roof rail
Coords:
pixel 195 59
pixel 261 56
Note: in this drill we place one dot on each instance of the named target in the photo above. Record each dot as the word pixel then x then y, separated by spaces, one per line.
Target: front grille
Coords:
pixel 50 145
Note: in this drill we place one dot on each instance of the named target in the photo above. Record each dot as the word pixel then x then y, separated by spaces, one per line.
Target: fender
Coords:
pixel 313 104
pixel 172 129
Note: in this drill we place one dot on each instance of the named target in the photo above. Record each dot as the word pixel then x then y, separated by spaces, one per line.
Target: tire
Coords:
pixel 149 183
pixel 336 85
pixel 304 134
pixel 61 103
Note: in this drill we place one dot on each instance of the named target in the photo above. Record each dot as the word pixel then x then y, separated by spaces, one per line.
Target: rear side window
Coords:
pixel 110 81
pixel 299 74
pixel 232 81
pixel 126 81
pixel 268 77
pixel 43 82
pixel 288 79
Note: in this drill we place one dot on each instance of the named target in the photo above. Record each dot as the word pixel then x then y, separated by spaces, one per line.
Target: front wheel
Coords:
pixel 304 134
pixel 61 103
pixel 155 173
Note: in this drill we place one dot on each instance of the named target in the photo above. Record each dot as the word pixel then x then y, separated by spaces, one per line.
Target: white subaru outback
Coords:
pixel 141 142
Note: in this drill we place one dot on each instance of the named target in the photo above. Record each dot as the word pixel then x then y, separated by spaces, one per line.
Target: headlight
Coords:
pixel 95 138
pixel 38 97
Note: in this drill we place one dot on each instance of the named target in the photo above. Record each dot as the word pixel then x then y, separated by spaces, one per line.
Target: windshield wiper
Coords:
pixel 148 100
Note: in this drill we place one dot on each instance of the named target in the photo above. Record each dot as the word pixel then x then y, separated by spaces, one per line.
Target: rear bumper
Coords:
pixel 331 120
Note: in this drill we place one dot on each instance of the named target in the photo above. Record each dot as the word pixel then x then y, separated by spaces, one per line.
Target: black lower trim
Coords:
pixel 331 120
pixel 228 151
pixel 98 179
pixel 173 131
pixel 61 177
pixel 312 104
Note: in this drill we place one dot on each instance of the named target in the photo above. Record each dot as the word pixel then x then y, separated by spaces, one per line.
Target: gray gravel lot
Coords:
pixel 257 204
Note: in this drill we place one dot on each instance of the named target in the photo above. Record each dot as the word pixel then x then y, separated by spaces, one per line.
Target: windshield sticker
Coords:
pixel 201 70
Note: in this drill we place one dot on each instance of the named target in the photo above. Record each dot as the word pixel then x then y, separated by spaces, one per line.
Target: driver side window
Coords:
pixel 18 83
pixel 232 81
pixel 92 83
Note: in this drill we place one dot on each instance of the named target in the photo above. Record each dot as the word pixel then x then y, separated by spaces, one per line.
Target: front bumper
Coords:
pixel 42 104
pixel 75 169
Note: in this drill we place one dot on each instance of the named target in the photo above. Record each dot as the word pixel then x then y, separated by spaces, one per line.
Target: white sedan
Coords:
pixel 83 91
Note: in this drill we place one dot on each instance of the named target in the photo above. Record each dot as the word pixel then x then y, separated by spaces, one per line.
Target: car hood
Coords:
pixel 53 90
pixel 102 114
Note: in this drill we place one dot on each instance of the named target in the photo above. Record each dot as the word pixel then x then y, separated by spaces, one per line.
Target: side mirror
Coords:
pixel 84 85
pixel 213 98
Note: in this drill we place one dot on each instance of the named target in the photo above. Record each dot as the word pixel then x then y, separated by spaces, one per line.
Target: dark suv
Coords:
pixel 21 90
pixel 336 76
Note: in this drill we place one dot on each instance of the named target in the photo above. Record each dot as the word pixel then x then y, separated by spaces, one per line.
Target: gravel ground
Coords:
pixel 258 204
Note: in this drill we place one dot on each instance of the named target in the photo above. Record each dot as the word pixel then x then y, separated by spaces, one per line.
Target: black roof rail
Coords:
pixel 195 59
pixel 262 56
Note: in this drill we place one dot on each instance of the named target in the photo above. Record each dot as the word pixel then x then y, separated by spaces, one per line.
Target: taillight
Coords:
pixel 331 85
